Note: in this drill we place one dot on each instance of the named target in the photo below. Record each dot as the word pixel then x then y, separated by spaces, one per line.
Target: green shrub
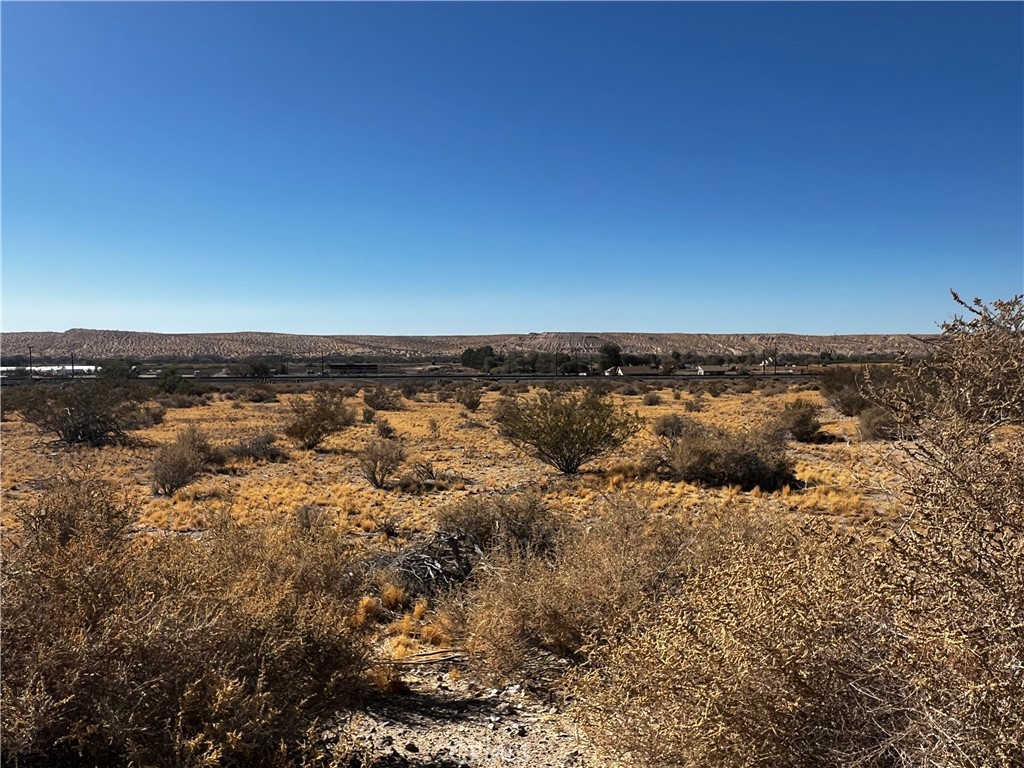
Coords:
pixel 566 430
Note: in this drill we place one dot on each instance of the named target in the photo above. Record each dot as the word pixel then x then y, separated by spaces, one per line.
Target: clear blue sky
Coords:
pixel 474 168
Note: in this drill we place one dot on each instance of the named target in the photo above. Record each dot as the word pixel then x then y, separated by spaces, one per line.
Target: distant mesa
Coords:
pixel 99 344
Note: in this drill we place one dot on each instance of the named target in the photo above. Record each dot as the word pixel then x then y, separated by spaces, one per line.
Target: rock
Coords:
pixel 411 747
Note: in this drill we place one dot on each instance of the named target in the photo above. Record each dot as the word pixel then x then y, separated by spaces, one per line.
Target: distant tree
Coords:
pixel 117 370
pixel 257 368
pixel 611 355
pixel 173 383
pixel 478 357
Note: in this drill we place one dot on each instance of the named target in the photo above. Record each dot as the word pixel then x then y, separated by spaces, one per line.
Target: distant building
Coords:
pixel 711 370
pixel 632 370
pixel 349 369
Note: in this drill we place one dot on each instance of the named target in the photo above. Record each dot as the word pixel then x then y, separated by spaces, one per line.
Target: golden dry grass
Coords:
pixel 845 478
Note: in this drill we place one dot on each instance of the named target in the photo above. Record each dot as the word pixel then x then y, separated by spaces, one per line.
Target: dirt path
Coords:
pixel 445 723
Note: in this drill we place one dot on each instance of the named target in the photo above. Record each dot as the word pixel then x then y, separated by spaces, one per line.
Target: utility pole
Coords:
pixel 29 363
pixel 72 365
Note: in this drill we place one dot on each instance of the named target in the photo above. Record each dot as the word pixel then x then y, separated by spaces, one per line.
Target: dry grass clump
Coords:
pixel 313 420
pixel 178 463
pixel 171 651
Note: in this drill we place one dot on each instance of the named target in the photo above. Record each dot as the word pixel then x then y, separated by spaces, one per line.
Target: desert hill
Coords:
pixel 98 344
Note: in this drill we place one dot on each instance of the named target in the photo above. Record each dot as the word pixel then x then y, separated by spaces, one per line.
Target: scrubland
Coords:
pixel 864 608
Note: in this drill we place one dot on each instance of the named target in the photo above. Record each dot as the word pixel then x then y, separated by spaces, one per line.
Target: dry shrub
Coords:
pixel 801 419
pixel 145 416
pixel 522 524
pixel 744 386
pixel 177 464
pixel 767 653
pixel 379 460
pixel 384 428
pixel 798 648
pixel 171 651
pixel 876 423
pixel 87 413
pixel 469 397
pixel 313 420
pixel 671 427
pixel 849 401
pixel 261 447
pixel 652 398
pixel 382 398
pixel 528 613
pixel 717 457
pixel 178 400
pixel 13 399
pixel 257 395
pixel 426 478
pixel 957 563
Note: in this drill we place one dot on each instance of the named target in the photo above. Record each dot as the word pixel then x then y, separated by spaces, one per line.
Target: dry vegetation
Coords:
pixel 746 580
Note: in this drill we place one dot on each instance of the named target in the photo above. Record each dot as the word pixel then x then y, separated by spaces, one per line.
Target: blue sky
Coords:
pixel 483 167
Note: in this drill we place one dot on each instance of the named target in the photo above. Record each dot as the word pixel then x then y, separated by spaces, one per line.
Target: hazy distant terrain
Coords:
pixel 86 343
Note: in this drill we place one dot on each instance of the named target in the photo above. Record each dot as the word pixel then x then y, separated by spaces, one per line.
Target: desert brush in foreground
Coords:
pixel 716 632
